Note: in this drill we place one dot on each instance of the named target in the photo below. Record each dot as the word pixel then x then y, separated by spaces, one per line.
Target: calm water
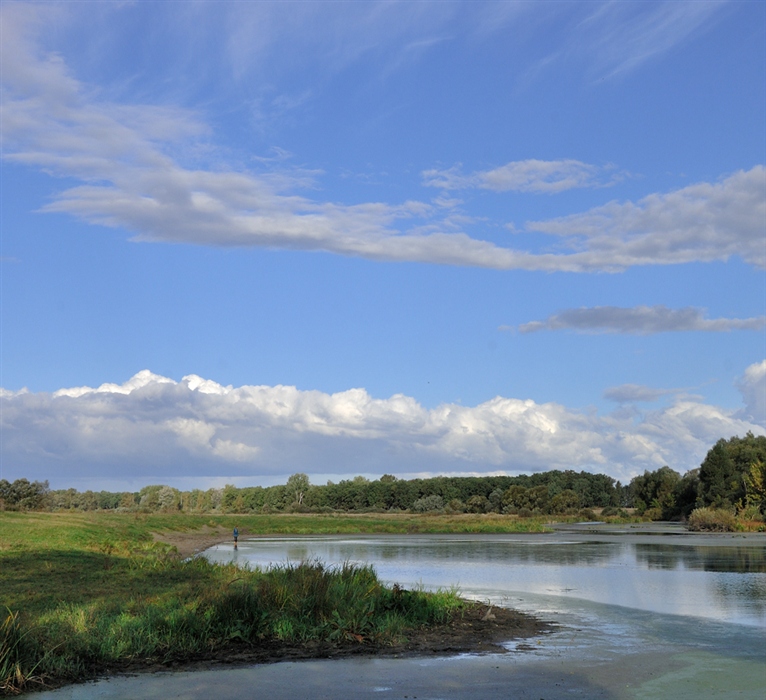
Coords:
pixel 640 617
pixel 714 582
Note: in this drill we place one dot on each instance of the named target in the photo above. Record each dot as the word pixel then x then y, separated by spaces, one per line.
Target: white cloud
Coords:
pixel 641 320
pixel 753 388
pixel 127 159
pixel 699 223
pixel 153 428
pixel 539 176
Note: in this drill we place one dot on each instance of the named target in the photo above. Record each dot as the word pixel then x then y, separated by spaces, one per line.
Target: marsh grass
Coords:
pixel 82 600
pixel 223 607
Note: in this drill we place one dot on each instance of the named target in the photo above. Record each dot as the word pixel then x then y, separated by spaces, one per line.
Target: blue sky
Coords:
pixel 245 239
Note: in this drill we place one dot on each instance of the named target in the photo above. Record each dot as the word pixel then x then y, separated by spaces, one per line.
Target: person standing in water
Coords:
pixel 236 536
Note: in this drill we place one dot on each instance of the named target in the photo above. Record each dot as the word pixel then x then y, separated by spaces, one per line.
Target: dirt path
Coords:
pixel 190 543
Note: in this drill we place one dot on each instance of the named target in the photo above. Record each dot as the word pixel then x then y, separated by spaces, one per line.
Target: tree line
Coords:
pixel 731 476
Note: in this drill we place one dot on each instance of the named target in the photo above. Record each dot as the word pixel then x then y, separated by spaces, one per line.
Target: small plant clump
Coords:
pixel 222 608
pixel 712 520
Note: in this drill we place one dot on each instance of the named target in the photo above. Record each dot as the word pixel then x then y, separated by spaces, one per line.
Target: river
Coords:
pixel 643 612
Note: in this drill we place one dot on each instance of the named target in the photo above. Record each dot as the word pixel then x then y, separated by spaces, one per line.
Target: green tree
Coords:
pixel 685 493
pixel 514 497
pixel 722 473
pixel 297 486
pixel 478 504
pixel 564 501
pixel 755 486
pixel 23 494
pixel 656 491
pixel 428 503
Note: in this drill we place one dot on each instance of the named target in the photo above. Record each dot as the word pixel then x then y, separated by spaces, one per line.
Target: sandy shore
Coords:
pixel 190 543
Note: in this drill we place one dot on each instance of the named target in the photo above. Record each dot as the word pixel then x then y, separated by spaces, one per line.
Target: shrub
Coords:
pixel 456 506
pixel 751 513
pixel 478 504
pixel 712 520
pixel 564 501
pixel 653 514
pixel 428 503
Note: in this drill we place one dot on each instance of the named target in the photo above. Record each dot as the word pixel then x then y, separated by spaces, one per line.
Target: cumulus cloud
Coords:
pixel 140 169
pixel 641 320
pixel 539 176
pixel 752 385
pixel 152 427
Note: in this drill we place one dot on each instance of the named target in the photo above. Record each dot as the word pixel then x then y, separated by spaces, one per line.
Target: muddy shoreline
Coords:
pixel 476 629
pixel 192 543
pixel 479 628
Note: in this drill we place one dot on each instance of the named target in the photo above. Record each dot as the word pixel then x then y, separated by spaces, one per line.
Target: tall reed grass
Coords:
pixel 227 608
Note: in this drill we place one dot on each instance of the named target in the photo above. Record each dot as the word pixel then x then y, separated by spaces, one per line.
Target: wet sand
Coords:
pixel 190 543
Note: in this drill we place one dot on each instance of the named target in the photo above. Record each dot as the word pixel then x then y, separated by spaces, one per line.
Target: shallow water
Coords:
pixel 708 581
pixel 640 617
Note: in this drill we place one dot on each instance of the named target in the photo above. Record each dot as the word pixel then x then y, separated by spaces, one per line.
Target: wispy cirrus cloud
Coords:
pixel 538 176
pixel 141 170
pixel 612 39
pixel 639 320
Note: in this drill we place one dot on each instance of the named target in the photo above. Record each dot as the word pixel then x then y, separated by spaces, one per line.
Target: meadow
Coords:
pixel 84 594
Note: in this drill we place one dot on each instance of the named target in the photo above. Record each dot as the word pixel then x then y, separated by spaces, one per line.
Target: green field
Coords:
pixel 83 593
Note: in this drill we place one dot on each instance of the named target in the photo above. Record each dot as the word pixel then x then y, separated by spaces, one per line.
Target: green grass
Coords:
pixel 86 529
pixel 81 593
pixel 181 611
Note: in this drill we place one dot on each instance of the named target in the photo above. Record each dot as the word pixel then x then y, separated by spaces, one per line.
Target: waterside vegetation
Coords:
pixel 731 480
pixel 87 594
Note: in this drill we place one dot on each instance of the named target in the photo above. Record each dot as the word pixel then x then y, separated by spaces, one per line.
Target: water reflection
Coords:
pixel 725 583
pixel 740 560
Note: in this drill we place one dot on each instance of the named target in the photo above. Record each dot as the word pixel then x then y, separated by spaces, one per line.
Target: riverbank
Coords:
pixel 476 628
pixel 642 615
pixel 85 598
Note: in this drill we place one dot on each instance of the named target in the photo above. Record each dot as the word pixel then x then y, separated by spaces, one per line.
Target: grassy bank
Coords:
pixel 83 594
pixel 61 528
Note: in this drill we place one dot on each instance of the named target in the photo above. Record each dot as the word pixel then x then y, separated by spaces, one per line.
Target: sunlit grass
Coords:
pixel 164 619
pixel 88 592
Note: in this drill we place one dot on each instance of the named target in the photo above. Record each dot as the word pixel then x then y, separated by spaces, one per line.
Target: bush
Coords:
pixel 612 512
pixel 525 513
pixel 298 508
pixel 428 503
pixel 478 504
pixel 587 514
pixel 565 501
pixel 712 520
pixel 456 506
pixel 752 513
